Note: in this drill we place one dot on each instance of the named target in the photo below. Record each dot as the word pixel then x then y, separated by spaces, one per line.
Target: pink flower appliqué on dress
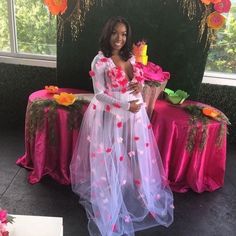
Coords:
pixel 117 77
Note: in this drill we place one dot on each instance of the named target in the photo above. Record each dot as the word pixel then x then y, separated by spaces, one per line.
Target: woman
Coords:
pixel 116 167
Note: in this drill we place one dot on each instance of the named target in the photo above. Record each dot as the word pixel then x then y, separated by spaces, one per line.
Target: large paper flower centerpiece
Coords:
pixel 51 89
pixel 65 99
pixel 153 72
pixel 4 219
pixel 56 6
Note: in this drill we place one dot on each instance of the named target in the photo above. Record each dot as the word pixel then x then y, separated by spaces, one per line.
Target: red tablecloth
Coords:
pixel 202 169
pixel 42 156
pixel 199 170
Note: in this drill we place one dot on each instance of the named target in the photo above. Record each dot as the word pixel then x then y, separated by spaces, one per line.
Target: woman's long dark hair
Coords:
pixel 105 46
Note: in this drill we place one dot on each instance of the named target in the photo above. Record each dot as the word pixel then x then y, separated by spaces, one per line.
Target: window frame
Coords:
pixel 15 57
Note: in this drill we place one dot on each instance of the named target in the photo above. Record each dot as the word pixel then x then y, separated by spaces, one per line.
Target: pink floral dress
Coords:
pixel 116 167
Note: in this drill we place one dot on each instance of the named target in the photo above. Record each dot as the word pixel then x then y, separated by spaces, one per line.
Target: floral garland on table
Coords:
pixel 36 114
pixel 203 114
pixel 4 220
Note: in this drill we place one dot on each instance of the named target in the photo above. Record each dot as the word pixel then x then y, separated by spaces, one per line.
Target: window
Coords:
pixel 222 54
pixel 4 29
pixel 27 29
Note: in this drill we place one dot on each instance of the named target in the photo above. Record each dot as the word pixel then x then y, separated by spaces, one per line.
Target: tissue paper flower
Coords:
pixel 56 6
pixel 215 20
pixel 223 6
pixel 51 89
pixel 65 99
pixel 208 111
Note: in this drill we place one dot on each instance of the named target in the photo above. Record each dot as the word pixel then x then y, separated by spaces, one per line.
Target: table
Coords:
pixel 49 142
pixel 201 169
pixel 26 225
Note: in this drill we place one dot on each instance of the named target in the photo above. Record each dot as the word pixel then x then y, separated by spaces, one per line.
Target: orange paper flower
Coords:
pixel 65 99
pixel 56 6
pixel 51 89
pixel 207 2
pixel 207 111
pixel 215 20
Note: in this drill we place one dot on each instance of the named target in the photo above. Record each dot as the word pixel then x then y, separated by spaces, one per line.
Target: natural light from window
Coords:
pixel 27 29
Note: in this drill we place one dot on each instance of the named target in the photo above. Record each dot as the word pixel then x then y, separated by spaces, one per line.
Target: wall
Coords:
pixel 17 82
pixel 172 41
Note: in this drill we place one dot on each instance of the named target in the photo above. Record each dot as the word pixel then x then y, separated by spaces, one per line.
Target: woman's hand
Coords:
pixel 135 88
pixel 135 106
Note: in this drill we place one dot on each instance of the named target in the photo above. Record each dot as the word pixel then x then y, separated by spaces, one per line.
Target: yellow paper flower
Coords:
pixel 65 99
pixel 51 89
pixel 215 20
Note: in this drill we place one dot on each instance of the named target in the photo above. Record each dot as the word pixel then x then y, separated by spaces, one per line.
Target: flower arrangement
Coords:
pixel 203 114
pixel 56 6
pixel 51 88
pixel 65 99
pixel 4 220
pixel 215 20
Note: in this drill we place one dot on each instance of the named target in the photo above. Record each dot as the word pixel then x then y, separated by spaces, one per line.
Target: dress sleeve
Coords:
pixel 99 85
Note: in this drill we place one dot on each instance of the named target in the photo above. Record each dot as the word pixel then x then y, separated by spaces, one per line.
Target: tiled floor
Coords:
pixel 206 214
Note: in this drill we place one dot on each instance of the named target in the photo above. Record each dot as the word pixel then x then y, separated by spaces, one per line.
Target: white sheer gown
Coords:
pixel 116 167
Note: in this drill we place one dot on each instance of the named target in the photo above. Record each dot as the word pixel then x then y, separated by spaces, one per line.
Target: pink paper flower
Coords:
pixel 223 6
pixel 3 216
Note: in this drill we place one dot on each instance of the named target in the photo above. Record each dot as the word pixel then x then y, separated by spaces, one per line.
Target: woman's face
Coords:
pixel 118 37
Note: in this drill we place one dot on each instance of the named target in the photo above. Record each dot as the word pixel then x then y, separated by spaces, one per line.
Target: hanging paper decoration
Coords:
pixel 215 20
pixel 223 6
pixel 56 6
pixel 75 18
pixel 208 21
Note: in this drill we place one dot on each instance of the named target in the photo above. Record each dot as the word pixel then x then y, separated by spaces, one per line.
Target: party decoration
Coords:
pixel 208 111
pixel 140 52
pixel 223 6
pixel 75 18
pixel 51 89
pixel 65 99
pixel 4 220
pixel 56 6
pixel 177 97
pixel 215 20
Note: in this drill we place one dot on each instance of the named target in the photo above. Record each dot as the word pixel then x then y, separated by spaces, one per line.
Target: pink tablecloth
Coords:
pixel 43 157
pixel 202 169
